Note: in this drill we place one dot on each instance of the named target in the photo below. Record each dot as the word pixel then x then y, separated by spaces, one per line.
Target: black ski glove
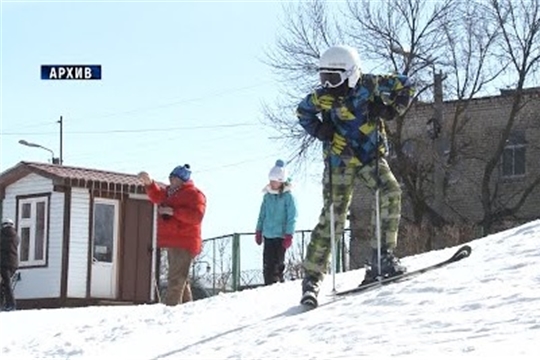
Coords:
pixel 377 109
pixel 325 131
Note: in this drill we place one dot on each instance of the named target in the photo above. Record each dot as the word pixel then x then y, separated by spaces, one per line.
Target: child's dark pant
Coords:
pixel 273 260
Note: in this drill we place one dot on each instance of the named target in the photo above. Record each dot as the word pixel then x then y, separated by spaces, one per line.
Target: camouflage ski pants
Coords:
pixel 343 179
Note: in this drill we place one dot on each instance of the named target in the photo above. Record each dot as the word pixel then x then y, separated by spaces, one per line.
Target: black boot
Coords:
pixel 310 290
pixel 390 266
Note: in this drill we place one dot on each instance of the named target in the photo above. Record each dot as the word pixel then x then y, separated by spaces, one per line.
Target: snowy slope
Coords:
pixel 486 305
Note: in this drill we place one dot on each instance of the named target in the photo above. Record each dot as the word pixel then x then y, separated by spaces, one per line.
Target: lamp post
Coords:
pixel 55 160
pixel 61 122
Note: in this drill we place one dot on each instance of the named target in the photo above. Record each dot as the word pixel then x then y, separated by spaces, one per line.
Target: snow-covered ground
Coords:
pixel 487 305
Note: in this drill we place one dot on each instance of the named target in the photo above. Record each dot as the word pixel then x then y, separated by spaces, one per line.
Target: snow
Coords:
pixel 487 305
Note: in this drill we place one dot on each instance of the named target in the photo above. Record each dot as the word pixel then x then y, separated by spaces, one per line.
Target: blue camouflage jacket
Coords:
pixel 355 138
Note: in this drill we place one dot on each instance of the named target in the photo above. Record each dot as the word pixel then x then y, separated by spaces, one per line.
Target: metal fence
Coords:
pixel 233 262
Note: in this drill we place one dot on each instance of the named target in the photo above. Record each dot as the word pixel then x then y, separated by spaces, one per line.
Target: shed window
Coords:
pixel 33 230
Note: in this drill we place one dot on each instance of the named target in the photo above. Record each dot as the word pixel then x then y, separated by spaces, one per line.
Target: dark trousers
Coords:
pixel 273 260
pixel 6 291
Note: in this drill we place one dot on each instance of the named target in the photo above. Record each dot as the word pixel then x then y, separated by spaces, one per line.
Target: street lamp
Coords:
pixel 26 143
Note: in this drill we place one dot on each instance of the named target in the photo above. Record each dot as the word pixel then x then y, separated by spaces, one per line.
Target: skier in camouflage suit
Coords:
pixel 347 115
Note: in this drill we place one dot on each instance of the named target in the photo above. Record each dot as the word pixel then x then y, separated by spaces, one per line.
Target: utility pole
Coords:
pixel 61 122
pixel 439 143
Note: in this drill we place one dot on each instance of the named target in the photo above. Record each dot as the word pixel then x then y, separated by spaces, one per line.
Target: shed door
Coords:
pixel 137 251
pixel 104 249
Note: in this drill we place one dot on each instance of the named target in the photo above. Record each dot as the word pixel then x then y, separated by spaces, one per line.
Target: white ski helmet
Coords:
pixel 7 222
pixel 337 64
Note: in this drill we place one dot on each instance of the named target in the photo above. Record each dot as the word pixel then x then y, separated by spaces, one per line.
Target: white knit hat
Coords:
pixel 278 172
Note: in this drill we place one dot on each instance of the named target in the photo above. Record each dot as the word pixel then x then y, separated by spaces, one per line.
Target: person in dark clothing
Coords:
pixel 9 263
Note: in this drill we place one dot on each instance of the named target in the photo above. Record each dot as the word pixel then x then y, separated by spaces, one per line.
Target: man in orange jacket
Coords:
pixel 181 208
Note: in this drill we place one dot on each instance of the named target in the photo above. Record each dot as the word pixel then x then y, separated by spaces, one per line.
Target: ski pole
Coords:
pixel 378 234
pixel 332 222
pixel 377 200
pixel 326 117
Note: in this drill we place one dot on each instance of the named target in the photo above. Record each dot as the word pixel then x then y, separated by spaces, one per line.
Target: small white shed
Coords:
pixel 87 235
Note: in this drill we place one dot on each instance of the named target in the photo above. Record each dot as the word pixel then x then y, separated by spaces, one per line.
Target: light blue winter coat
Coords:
pixel 278 213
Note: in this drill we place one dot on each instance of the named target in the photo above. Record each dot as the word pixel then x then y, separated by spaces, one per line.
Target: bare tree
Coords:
pixel 519 22
pixel 468 44
pixel 409 35
pixel 308 30
pixel 406 36
pixel 469 68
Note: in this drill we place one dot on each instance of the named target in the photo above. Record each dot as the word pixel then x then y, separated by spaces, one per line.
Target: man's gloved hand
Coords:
pixel 325 131
pixel 287 241
pixel 325 100
pixel 258 237
pixel 377 109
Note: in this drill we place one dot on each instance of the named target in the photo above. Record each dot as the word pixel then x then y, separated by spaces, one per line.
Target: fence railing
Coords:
pixel 233 262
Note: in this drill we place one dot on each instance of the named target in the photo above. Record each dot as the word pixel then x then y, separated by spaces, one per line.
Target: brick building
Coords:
pixel 475 137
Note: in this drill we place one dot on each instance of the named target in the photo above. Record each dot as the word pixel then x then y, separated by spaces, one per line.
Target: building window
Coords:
pixel 104 231
pixel 32 228
pixel 513 157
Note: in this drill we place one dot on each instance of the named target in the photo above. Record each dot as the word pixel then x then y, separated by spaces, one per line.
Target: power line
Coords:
pixel 132 111
pixel 119 131
pixel 179 102
pixel 37 124
pixel 149 143
pixel 214 168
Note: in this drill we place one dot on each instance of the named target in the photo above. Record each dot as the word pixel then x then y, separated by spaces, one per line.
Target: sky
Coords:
pixel 486 306
pixel 183 82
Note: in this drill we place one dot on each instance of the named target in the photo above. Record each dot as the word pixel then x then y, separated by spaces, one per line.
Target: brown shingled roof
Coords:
pixel 74 176
pixel 71 172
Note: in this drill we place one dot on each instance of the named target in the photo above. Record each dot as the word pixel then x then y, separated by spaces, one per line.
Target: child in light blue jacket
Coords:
pixel 276 223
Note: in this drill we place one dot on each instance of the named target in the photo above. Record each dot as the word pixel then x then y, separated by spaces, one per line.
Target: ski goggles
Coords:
pixel 333 78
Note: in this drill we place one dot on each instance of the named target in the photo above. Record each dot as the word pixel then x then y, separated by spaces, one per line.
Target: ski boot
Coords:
pixel 390 266
pixel 310 291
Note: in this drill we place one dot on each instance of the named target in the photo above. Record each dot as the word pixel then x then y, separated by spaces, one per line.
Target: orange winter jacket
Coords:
pixel 183 229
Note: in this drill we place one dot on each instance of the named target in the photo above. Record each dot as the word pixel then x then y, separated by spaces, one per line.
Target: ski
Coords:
pixel 462 253
pixel 309 299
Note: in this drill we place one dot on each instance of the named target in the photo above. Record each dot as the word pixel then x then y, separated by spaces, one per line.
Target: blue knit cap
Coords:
pixel 182 172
